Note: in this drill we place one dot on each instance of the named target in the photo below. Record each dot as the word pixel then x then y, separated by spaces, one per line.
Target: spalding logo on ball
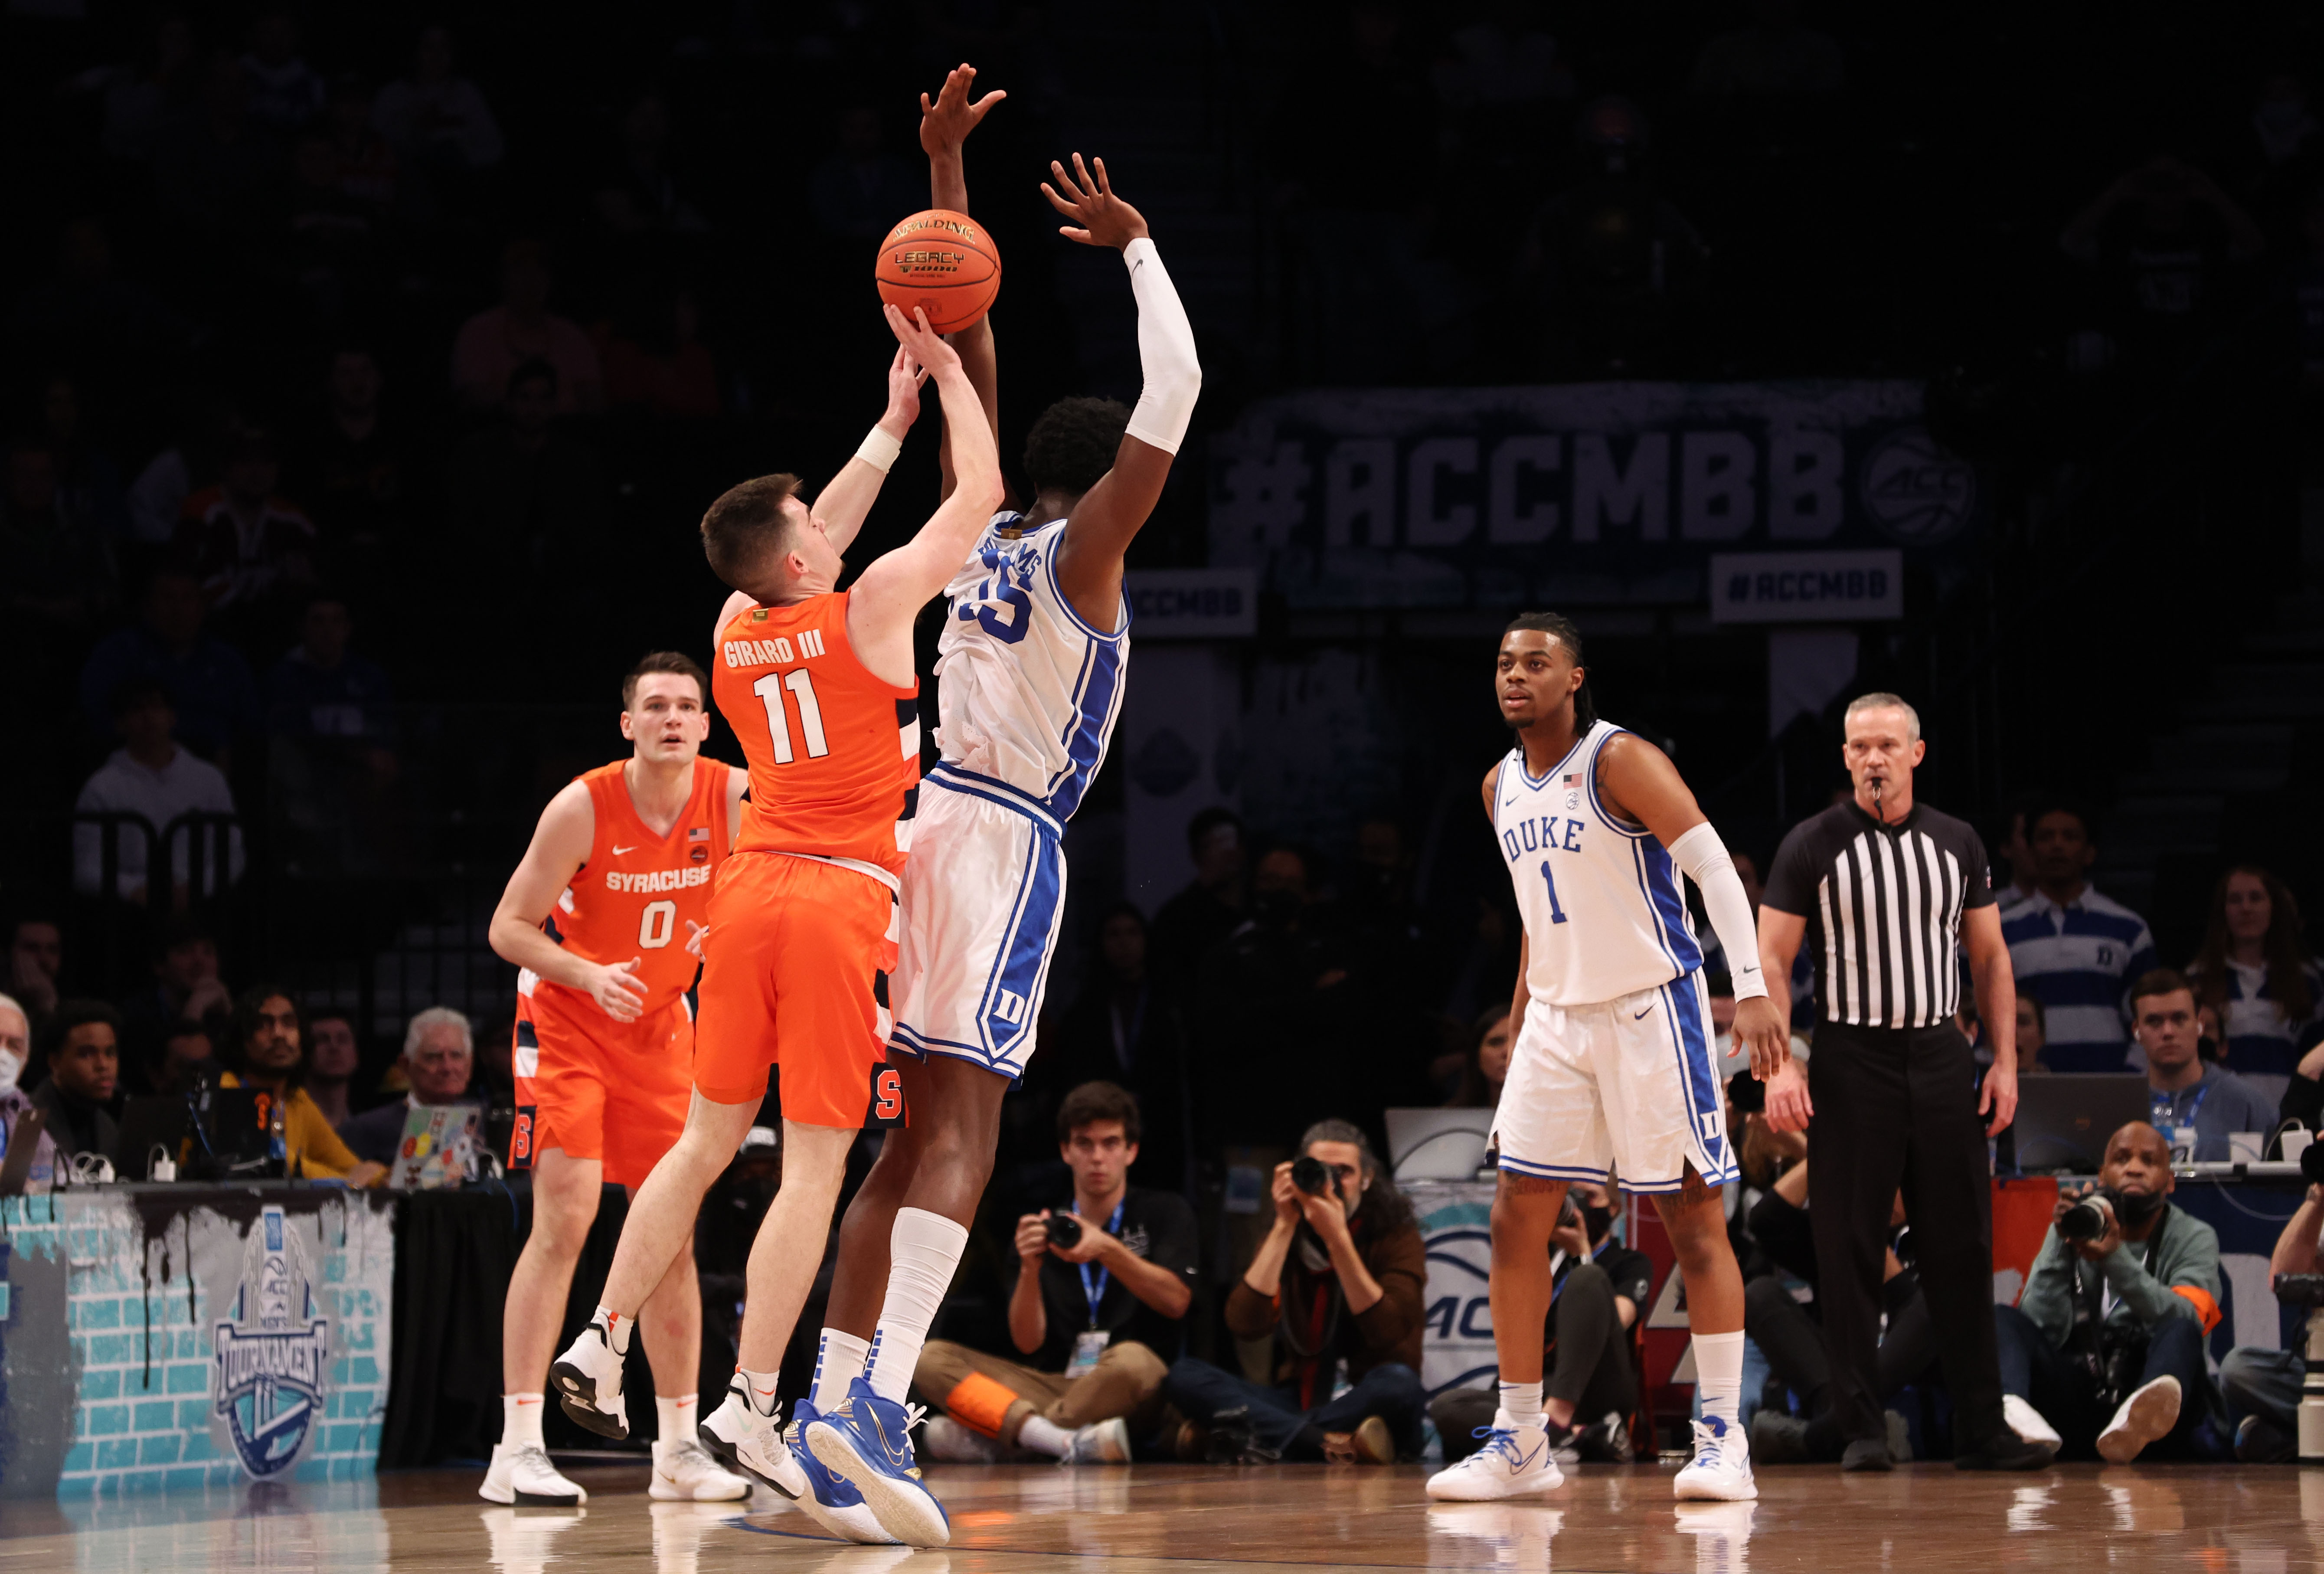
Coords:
pixel 945 264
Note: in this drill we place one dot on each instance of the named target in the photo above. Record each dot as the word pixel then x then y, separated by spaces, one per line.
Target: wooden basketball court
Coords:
pixel 1034 1520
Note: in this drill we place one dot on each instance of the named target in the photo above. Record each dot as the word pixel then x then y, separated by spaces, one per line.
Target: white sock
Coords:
pixel 1523 1402
pixel 521 1420
pixel 1719 1375
pixel 923 1250
pixel 762 1387
pixel 617 1329
pixel 674 1418
pixel 838 1361
pixel 1044 1436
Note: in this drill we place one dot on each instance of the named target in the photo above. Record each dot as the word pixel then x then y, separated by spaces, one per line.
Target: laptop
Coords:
pixel 1437 1145
pixel 2063 1121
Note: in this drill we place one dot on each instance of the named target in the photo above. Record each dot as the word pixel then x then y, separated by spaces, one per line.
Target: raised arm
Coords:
pixel 1099 529
pixel 944 124
pixel 848 496
pixel 893 590
pixel 560 845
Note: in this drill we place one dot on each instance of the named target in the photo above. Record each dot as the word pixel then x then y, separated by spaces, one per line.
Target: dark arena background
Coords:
pixel 366 374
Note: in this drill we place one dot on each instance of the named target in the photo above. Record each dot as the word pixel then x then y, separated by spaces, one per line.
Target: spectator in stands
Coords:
pixel 1096 1321
pixel 333 1058
pixel 186 992
pixel 1776 56
pixel 440 1060
pixel 2166 243
pixel 80 1052
pixel 368 170
pixel 2255 970
pixel 363 476
pixel 252 550
pixel 15 1104
pixel 88 316
pixel 269 1050
pixel 36 957
pixel 210 180
pixel 1389 941
pixel 2073 950
pixel 2196 1104
pixel 2262 1382
pixel 1487 1064
pixel 1208 909
pixel 321 690
pixel 150 776
pixel 2032 1034
pixel 496 343
pixel 209 684
pixel 1338 1278
pixel 1121 1028
pixel 2130 1308
pixel 1589 1391
pixel 639 196
pixel 151 101
pixel 187 1059
pixel 861 188
pixel 55 566
pixel 656 362
pixel 285 94
pixel 438 120
pixel 2015 857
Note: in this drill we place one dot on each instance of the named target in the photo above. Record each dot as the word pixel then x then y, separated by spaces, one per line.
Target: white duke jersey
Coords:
pixel 1027 694
pixel 1604 913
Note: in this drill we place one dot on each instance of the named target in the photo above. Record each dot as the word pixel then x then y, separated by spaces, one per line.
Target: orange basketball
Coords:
pixel 945 264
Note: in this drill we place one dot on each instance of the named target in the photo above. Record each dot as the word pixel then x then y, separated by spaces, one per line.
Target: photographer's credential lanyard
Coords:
pixel 1090 1343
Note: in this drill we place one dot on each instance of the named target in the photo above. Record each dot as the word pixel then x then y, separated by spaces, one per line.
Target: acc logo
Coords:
pixel 1915 491
pixel 271 1351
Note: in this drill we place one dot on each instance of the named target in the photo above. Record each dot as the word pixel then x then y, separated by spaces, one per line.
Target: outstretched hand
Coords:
pixel 905 376
pixel 946 122
pixel 925 346
pixel 1103 218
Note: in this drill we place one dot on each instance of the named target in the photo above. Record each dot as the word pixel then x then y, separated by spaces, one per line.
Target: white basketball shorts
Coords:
pixel 984 893
pixel 1625 1083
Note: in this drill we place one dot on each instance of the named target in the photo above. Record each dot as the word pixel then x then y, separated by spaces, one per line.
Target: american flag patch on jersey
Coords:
pixel 700 833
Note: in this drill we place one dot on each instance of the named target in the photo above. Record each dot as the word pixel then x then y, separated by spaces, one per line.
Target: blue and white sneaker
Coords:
pixel 1721 1470
pixel 1516 1461
pixel 866 1441
pixel 828 1500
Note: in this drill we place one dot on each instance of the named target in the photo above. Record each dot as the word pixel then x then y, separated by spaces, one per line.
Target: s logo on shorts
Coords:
pixel 887 1098
pixel 520 1139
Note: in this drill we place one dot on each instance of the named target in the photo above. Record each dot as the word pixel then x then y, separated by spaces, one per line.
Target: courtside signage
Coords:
pixel 1807 587
pixel 1167 603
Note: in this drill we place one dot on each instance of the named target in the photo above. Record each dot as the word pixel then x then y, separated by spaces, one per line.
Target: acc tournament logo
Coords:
pixel 271 1351
pixel 1914 490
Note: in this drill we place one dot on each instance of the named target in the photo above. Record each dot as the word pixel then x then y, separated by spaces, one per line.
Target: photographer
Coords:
pixel 1589 1391
pixel 2114 1314
pixel 2263 1385
pixel 1101 1293
pixel 1337 1280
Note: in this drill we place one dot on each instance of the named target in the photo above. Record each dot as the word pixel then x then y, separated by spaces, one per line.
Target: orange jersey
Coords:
pixel 835 752
pixel 642 894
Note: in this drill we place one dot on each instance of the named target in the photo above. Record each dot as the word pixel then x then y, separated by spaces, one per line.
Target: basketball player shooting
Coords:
pixel 818 684
pixel 1032 657
pixel 1613 1061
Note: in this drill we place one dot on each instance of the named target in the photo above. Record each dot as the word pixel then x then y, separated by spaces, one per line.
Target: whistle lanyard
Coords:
pixel 1093 1291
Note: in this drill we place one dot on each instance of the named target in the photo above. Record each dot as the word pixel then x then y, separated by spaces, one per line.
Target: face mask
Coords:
pixel 11 1067
pixel 2134 1209
pixel 1597 1221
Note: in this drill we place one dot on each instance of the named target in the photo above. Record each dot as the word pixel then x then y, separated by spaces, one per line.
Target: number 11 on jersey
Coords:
pixel 1556 913
pixel 801 684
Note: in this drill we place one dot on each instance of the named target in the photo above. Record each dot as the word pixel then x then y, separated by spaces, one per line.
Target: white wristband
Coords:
pixel 879 449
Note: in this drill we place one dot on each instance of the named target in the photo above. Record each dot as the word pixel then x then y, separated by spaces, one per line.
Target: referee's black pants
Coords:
pixel 1895 1108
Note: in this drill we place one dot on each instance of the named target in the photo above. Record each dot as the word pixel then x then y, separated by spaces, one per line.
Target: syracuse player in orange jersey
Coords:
pixel 606 916
pixel 819 685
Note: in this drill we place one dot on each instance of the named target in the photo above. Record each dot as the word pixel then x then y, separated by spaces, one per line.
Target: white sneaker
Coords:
pixel 948 1442
pixel 2149 1413
pixel 2026 1421
pixel 587 1378
pixel 684 1472
pixel 1104 1442
pixel 740 1441
pixel 1721 1470
pixel 1516 1461
pixel 524 1475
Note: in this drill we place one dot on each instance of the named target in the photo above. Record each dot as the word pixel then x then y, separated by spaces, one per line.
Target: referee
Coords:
pixel 1885 890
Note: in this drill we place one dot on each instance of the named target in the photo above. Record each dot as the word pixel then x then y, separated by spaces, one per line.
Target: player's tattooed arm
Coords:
pixel 945 122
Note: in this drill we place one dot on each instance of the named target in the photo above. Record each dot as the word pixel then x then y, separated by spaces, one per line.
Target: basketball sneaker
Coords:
pixel 684 1472
pixel 830 1502
pixel 865 1441
pixel 588 1381
pixel 1515 1462
pixel 1104 1442
pixel 1721 1470
pixel 2149 1413
pixel 948 1442
pixel 524 1475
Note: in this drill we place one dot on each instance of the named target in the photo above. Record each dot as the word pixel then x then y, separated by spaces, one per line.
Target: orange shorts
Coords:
pixel 615 1091
pixel 795 974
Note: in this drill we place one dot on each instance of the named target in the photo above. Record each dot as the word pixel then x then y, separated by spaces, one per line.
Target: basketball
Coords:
pixel 943 263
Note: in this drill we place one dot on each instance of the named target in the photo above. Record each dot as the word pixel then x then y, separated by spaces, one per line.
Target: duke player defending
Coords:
pixel 1031 666
pixel 1613 1063
pixel 605 916
pixel 818 685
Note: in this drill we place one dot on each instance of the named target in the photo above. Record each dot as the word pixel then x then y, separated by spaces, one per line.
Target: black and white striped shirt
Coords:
pixel 1884 905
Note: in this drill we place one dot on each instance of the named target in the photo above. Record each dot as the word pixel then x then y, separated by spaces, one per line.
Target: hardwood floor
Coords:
pixel 1029 1520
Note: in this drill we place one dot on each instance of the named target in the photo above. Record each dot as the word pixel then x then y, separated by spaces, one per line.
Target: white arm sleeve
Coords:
pixel 1166 350
pixel 1703 857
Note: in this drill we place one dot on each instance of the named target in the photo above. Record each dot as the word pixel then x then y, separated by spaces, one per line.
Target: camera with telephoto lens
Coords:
pixel 2090 1218
pixel 1313 1176
pixel 2299 1288
pixel 1065 1230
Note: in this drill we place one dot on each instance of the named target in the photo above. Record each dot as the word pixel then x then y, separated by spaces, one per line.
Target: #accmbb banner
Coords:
pixel 1583 494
